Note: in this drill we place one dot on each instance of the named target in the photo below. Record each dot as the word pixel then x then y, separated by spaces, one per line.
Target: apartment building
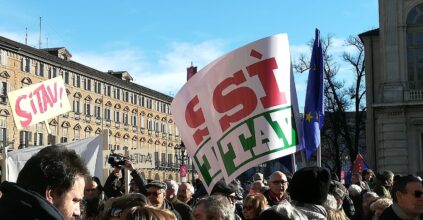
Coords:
pixel 138 119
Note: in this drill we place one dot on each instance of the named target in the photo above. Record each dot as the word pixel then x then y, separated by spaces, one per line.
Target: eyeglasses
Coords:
pixel 418 194
pixel 278 182
pixel 155 194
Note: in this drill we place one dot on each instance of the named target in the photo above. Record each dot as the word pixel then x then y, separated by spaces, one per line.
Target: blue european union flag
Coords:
pixel 314 107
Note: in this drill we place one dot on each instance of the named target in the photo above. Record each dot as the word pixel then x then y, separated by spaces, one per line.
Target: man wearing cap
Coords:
pixel 184 210
pixel 156 194
pixel 407 195
pixel 278 184
pixel 228 190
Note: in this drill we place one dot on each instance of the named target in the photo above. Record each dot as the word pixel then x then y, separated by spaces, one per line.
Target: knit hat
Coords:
pixel 156 183
pixel 310 185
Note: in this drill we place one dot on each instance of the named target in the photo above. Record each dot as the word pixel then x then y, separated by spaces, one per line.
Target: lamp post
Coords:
pixel 183 167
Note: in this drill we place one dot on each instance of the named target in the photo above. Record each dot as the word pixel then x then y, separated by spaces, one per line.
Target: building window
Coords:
pixel 77 106
pixel 64 137
pixel 116 93
pixel 107 114
pixel 134 120
pixel 3 57
pixel 415 47
pixel 26 64
pixel 97 87
pixel 97 111
pixel 24 138
pixel 117 116
pixel 39 70
pixel 87 84
pixel 3 92
pixel 108 90
pixel 77 134
pixel 149 125
pixel 142 121
pixel 52 72
pixel 87 108
pixel 66 77
pixel 3 137
pixel 126 97
pixel 38 136
pixel 77 81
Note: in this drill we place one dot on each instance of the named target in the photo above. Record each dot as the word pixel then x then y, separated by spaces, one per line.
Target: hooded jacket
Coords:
pixel 18 203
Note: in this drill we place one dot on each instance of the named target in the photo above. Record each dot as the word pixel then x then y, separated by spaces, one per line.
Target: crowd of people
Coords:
pixel 55 184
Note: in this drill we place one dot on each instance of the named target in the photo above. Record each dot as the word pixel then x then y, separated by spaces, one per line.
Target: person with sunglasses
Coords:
pixel 278 184
pixel 407 196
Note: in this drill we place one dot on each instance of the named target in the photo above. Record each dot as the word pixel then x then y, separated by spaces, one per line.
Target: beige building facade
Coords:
pixel 138 119
pixel 394 82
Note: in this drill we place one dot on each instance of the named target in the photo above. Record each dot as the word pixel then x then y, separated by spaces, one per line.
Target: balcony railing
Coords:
pixel 413 95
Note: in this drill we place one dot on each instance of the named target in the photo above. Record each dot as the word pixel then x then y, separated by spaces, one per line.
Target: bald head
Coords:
pixel 278 183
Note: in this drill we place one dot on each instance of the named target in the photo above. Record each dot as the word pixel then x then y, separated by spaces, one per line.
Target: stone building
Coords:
pixel 138 118
pixel 394 81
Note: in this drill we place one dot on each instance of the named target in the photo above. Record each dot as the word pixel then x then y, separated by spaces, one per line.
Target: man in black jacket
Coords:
pixel 407 195
pixel 49 186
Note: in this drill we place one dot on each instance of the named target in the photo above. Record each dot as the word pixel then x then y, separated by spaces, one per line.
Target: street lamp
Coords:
pixel 183 167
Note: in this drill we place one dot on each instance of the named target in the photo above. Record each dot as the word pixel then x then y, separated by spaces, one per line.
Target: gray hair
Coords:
pixel 217 206
pixel 189 187
pixel 171 184
pixel 354 190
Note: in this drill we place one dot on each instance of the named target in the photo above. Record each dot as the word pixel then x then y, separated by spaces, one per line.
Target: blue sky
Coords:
pixel 155 41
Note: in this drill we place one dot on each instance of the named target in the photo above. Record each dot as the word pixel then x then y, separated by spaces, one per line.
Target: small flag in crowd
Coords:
pixel 357 167
pixel 359 164
pixel 314 108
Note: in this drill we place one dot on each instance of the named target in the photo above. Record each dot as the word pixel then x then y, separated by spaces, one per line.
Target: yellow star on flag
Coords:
pixel 308 117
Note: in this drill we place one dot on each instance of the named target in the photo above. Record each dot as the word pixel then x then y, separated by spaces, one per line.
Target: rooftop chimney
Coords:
pixel 191 71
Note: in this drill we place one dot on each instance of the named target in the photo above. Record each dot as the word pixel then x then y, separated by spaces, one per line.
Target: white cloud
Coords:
pixel 167 74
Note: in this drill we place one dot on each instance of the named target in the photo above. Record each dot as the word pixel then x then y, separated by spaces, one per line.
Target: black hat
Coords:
pixel 310 185
pixel 156 183
pixel 222 188
pixel 200 192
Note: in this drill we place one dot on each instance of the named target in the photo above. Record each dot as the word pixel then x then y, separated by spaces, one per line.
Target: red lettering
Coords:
pixel 195 119
pixel 53 96
pixel 40 92
pixel 264 71
pixel 240 96
pixel 22 113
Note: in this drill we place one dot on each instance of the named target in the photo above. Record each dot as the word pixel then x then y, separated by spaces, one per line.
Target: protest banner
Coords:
pixel 240 111
pixel 90 150
pixel 39 102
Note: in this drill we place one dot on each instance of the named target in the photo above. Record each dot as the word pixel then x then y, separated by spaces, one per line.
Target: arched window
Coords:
pixel 415 47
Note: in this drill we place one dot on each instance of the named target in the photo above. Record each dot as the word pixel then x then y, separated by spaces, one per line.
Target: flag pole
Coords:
pixel 319 156
pixel 293 163
pixel 4 171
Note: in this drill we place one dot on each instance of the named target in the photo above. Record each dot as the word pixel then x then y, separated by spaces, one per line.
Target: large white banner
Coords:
pixel 89 149
pixel 239 111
